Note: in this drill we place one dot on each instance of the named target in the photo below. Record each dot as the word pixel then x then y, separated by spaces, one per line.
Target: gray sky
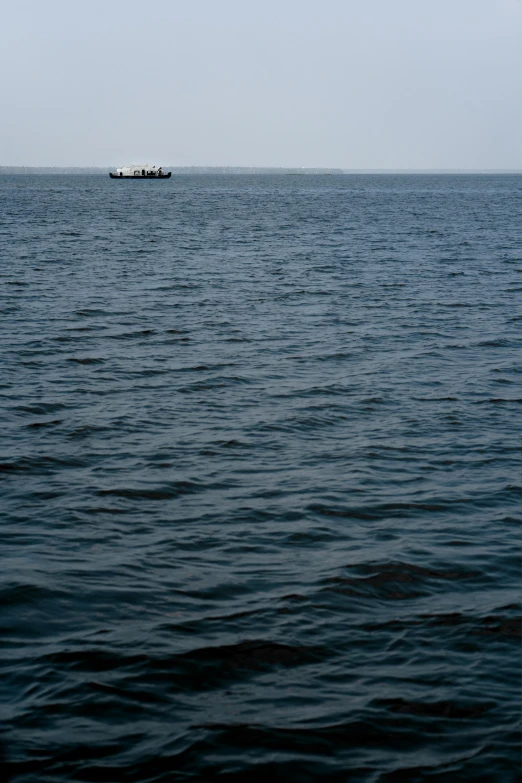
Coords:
pixel 336 83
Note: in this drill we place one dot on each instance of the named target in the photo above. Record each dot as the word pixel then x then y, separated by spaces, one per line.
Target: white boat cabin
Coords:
pixel 139 170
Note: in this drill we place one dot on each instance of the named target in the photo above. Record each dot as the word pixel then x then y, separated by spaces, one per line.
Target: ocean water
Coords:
pixel 261 478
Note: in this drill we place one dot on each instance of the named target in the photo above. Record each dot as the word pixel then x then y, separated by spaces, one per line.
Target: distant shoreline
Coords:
pixel 240 170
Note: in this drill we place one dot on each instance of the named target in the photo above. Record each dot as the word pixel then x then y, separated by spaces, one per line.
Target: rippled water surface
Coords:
pixel 260 475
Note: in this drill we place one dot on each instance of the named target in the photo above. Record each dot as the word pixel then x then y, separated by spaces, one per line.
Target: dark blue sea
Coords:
pixel 260 471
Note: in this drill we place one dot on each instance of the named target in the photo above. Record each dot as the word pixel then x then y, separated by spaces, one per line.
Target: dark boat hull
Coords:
pixel 151 176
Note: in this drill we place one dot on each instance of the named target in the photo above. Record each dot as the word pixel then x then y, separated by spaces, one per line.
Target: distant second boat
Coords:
pixel 140 171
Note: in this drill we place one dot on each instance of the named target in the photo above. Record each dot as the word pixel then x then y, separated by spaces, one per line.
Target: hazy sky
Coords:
pixel 340 83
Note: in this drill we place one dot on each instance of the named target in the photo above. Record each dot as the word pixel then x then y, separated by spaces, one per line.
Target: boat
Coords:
pixel 140 171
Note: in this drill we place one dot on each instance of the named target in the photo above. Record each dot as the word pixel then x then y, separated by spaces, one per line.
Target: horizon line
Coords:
pixel 337 169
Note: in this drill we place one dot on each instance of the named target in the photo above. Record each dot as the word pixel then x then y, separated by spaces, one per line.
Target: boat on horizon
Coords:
pixel 140 171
